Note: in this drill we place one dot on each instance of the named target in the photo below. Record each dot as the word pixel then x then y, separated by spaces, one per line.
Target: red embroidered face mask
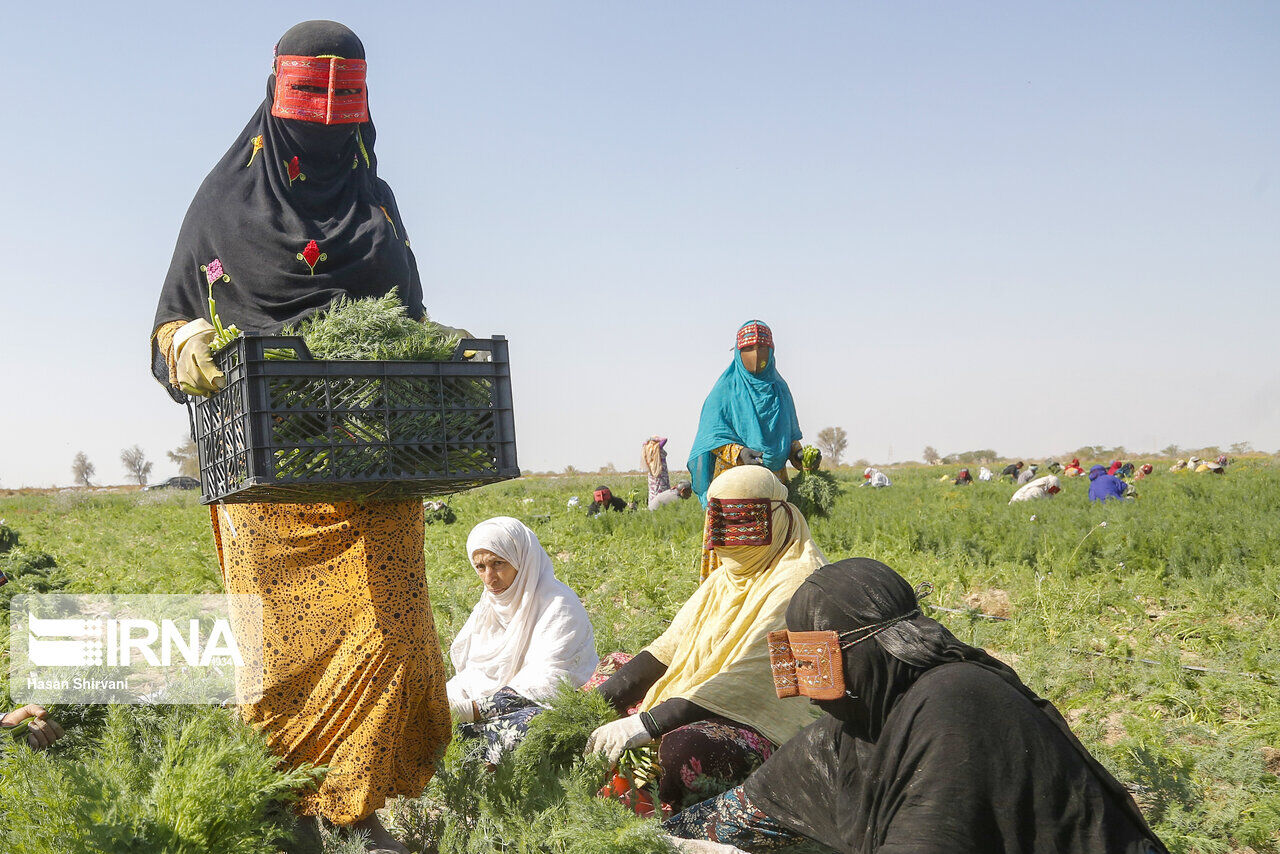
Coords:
pixel 755 334
pixel 327 90
pixel 739 522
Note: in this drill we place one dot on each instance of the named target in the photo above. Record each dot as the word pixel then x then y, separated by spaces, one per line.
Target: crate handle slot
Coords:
pixel 257 345
pixel 477 346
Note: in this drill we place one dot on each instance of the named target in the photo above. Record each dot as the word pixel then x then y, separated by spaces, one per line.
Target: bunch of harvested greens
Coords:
pixel 542 798
pixel 377 328
pixel 813 491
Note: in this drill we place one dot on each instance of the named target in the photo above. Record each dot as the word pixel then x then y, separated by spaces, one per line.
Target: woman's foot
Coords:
pixel 380 839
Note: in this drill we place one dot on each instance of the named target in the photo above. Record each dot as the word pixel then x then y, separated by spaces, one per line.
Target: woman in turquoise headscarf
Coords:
pixel 748 417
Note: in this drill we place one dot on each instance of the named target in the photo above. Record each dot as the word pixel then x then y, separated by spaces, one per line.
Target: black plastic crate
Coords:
pixel 319 431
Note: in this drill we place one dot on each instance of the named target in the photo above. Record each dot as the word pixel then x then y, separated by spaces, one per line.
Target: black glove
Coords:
pixel 748 457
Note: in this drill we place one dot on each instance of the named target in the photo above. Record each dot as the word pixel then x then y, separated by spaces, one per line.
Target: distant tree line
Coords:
pixel 136 464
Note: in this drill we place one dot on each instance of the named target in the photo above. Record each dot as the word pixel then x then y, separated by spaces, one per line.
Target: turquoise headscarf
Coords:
pixel 749 409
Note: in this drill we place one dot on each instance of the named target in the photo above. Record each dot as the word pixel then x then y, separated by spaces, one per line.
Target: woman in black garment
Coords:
pixel 930 746
pixel 293 217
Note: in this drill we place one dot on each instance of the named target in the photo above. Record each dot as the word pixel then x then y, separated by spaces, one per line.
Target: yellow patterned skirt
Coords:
pixel 353 676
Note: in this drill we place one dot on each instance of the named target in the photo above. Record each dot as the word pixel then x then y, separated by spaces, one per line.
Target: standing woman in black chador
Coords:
pixel 928 745
pixel 292 217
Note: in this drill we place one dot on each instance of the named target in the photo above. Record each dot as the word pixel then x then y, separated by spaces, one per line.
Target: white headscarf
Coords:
pixel 1038 488
pixel 877 478
pixel 528 637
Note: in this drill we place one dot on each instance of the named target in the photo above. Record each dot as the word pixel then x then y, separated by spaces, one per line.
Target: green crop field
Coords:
pixel 1153 624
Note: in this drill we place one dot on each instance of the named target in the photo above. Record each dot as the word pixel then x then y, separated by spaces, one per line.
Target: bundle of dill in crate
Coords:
pixel 377 328
pixel 380 329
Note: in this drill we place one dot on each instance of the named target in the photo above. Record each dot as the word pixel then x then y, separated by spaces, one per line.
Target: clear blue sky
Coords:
pixel 1024 226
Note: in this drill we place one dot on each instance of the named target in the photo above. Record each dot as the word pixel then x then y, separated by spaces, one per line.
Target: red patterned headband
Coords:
pixel 755 334
pixel 327 90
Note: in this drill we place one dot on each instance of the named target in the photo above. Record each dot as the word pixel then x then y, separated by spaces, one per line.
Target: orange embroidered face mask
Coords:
pixel 326 90
pixel 811 664
pixel 806 664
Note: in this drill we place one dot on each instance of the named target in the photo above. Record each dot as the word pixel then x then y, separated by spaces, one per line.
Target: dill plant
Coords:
pixel 1186 574
pixel 376 328
pixel 541 799
pixel 179 780
pixel 813 492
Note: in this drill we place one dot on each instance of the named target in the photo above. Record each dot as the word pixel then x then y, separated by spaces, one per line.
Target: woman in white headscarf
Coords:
pixel 527 634
pixel 1042 487
pixel 875 478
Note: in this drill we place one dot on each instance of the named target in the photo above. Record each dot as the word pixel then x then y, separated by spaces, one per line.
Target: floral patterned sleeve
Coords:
pixel 731 819
pixel 504 702
pixel 727 456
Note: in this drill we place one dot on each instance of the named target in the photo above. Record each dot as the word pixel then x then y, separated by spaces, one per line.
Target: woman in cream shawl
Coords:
pixel 527 634
pixel 705 686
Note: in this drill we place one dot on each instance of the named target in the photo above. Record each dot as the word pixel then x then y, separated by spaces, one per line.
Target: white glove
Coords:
pixel 702 846
pixel 613 738
pixel 196 372
pixel 461 709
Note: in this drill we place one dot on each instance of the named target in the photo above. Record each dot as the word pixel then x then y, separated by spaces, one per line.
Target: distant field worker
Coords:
pixel 1180 465
pixel 985 474
pixel 748 418
pixel 1041 487
pixel 1073 469
pixel 654 453
pixel 875 478
pixel 1145 470
pixel 963 478
pixel 704 686
pixel 292 217
pixel 680 491
pixel 1011 471
pixel 1196 464
pixel 602 499
pixel 527 633
pixel 1104 487
pixel 1027 475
